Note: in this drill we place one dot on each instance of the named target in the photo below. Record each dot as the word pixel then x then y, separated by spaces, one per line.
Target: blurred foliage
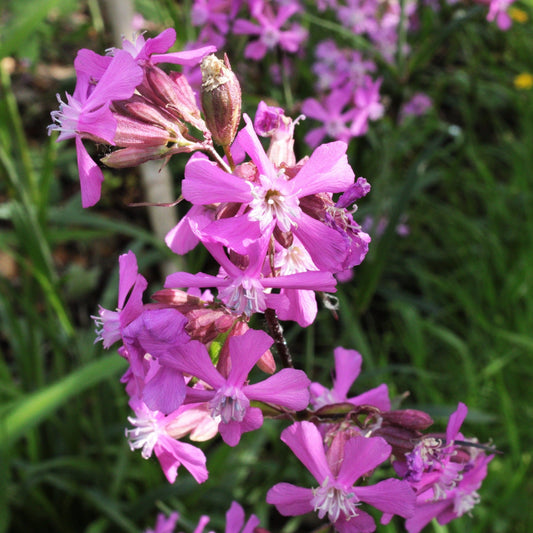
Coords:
pixel 444 313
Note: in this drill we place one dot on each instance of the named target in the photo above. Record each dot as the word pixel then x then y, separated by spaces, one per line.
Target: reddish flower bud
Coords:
pixel 134 155
pixel 402 440
pixel 221 99
pixel 408 419
pixel 172 93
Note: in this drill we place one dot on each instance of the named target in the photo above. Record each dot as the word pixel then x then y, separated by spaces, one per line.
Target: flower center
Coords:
pixel 145 434
pixel 229 404
pixel 245 296
pixel 334 501
pixel 270 37
pixel 272 203
pixel 335 127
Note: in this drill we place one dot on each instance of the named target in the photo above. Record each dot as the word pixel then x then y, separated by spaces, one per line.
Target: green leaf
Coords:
pixel 34 408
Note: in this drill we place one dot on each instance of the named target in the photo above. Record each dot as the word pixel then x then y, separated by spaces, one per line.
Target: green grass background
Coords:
pixel 445 313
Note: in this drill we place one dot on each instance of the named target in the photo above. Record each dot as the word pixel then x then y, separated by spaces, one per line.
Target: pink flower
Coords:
pixel 360 16
pixel 86 114
pixel 150 434
pixel 347 369
pixel 164 524
pixel 245 290
pixel 336 471
pixel 270 30
pixel 271 122
pixel 333 114
pixel 131 286
pixel 416 106
pixel 234 521
pixel 144 329
pixel 498 11
pixel 457 501
pixel 229 398
pixel 155 50
pixel 445 473
pixel 151 334
pixel 272 198
pixel 368 106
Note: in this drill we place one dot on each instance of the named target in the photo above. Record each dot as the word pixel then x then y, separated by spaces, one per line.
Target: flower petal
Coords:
pixel 390 496
pixel 287 388
pixel 232 431
pixel 304 439
pixel 347 369
pixel 361 455
pixel 326 246
pixel 173 453
pixel 205 183
pixel 245 350
pixel 327 170
pixel 290 500
pixel 91 176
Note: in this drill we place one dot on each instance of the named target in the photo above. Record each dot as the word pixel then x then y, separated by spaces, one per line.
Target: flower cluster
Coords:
pixel 280 229
pixel 348 80
pixel 124 100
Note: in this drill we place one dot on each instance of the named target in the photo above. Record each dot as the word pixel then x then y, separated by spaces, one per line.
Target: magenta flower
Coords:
pixel 234 521
pixel 145 339
pixel 144 329
pixel 340 218
pixel 150 434
pixel 347 369
pixel 498 11
pixel 360 16
pixel 445 472
pixel 269 30
pixel 155 50
pixel 164 524
pixel 339 68
pixel 245 290
pixel 131 286
pixel 430 465
pixel 295 304
pixel 333 114
pixel 368 106
pixel 272 199
pixel 336 472
pixel 271 122
pixel 417 105
pixel 457 501
pixel 229 398
pixel 86 114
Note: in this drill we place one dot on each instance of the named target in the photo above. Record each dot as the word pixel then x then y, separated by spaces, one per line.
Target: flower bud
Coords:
pixel 221 99
pixel 408 419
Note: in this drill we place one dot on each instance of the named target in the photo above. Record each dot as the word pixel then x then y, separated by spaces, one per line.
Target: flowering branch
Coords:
pixel 280 229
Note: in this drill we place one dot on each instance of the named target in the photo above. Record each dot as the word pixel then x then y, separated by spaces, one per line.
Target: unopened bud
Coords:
pixel 408 419
pixel 221 99
pixel 402 440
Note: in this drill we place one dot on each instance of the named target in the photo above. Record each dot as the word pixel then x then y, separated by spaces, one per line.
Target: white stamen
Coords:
pixel 334 501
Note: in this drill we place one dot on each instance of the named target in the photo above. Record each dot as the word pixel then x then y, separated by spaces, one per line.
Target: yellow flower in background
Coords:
pixel 523 81
pixel 518 15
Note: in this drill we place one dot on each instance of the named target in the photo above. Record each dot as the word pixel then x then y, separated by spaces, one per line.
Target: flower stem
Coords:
pixel 279 340
pixel 229 157
pixel 216 157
